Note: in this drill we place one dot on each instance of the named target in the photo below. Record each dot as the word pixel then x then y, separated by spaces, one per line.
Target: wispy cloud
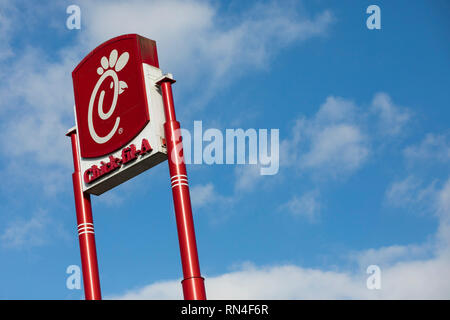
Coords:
pixel 392 118
pixel 411 193
pixel 206 195
pixel 307 205
pixel 32 232
pixel 331 143
pixel 432 147
pixel 36 108
pixel 247 177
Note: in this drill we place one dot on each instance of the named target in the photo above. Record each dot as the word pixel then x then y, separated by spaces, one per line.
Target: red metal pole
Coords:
pixel 193 282
pixel 85 226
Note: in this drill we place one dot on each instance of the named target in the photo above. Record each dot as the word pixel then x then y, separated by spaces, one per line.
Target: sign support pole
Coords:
pixel 193 283
pixel 85 226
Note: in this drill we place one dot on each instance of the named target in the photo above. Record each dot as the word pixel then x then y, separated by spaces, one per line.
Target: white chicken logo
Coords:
pixel 108 68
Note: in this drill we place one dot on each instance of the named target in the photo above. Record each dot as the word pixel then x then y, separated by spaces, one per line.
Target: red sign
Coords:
pixel 110 97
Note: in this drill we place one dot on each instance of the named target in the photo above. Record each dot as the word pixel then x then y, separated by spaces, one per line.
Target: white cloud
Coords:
pixel 202 194
pixel 409 192
pixel 426 279
pixel 29 233
pixel 336 110
pixel 340 147
pixel 432 147
pixel 391 255
pixel 443 212
pixel 161 290
pixel 247 177
pixel 330 143
pixel 392 118
pixel 307 205
pixel 205 195
pixel 402 192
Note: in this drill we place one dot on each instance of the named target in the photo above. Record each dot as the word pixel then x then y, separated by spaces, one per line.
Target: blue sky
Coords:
pixel 364 173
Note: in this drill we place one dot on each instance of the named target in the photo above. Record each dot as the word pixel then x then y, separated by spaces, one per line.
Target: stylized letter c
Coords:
pixel 101 113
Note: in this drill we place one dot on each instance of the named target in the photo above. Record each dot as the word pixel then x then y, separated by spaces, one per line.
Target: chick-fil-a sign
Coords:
pixel 117 104
pixel 121 99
